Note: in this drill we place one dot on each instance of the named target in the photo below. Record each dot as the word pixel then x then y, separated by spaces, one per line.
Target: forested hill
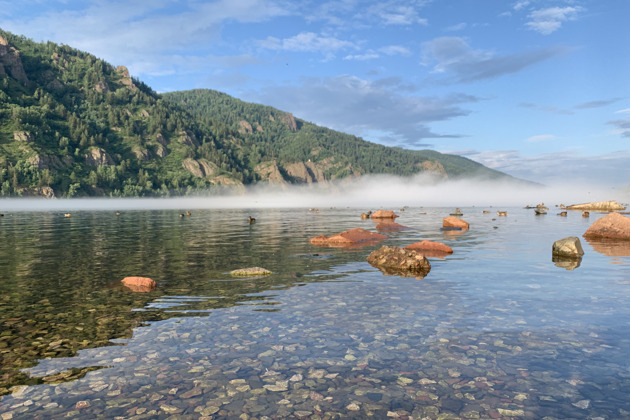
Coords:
pixel 74 125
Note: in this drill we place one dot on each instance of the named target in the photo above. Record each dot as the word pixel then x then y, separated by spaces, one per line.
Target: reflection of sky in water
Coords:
pixel 544 340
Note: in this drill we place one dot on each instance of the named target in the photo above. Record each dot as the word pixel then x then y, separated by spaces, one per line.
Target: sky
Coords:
pixel 537 89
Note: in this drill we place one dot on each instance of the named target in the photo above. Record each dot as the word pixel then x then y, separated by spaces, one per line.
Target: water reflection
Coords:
pixel 610 247
pixel 567 263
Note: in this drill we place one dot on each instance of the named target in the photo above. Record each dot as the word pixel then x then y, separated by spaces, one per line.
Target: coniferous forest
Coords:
pixel 72 125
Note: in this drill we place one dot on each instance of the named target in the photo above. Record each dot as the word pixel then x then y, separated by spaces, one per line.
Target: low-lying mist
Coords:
pixel 368 192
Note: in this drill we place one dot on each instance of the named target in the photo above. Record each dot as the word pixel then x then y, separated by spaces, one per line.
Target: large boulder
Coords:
pixel 384 214
pixel 392 260
pixel 356 236
pixel 567 248
pixel 613 226
pixel 454 222
pixel 139 284
pixel 599 206
pixel 431 249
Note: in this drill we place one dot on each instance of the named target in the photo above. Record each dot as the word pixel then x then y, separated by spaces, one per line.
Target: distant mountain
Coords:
pixel 74 125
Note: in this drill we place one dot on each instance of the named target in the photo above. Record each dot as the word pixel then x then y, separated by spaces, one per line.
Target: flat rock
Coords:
pixel 139 284
pixel 390 226
pixel 348 238
pixel 455 222
pixel 431 249
pixel 568 248
pixel 598 206
pixel 399 261
pixel 251 271
pixel 384 214
pixel 613 226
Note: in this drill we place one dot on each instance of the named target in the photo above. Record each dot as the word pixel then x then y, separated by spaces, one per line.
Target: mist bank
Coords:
pixel 368 192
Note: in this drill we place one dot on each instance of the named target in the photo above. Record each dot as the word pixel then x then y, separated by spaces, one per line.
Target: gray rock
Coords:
pixel 569 247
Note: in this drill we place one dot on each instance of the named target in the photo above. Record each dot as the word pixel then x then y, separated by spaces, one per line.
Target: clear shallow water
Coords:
pixel 496 330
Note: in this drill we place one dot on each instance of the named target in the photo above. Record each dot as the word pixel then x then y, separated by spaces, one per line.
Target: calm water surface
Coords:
pixel 495 330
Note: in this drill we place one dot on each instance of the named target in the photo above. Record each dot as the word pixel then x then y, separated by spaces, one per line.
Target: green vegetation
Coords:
pixel 73 125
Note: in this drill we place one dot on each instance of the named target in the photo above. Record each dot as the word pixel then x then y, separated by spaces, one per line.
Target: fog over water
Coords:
pixel 366 192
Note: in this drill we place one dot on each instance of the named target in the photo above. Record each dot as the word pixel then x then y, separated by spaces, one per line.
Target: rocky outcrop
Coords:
pixel 227 181
pixel 384 214
pixel 200 168
pixel 101 87
pixel 305 172
pixel 567 248
pixel 24 136
pixel 392 260
pixel 612 226
pixel 188 138
pixel 454 222
pixel 599 206
pixel 125 78
pixel 434 167
pixel 11 62
pixel 251 271
pixel 356 236
pixel 315 171
pixel 161 139
pixel 160 151
pixel 139 284
pixel 269 171
pixel 141 153
pixel 46 162
pixel 244 127
pixel 289 121
pixel 98 157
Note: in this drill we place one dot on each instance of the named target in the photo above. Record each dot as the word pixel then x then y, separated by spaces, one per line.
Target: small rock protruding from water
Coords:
pixel 454 222
pixel 250 271
pixel 563 214
pixel 569 247
pixel 384 214
pixel 367 215
pixel 502 213
pixel 139 284
pixel 586 214
pixel 392 260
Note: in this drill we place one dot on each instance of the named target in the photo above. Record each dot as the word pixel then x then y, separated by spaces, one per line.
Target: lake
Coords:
pixel 495 330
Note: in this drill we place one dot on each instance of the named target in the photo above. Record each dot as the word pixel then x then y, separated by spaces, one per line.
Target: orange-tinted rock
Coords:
pixel 613 225
pixel 455 222
pixel 390 226
pixel 438 247
pixel 139 284
pixel 384 214
pixel 348 238
pixel 392 260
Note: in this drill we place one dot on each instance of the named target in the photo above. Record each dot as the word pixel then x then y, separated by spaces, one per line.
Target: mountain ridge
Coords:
pixel 73 125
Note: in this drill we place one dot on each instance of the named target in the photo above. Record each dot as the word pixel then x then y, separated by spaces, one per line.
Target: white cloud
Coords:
pixel 370 55
pixel 306 42
pixel 622 125
pixel 397 12
pixel 453 56
pixel 456 28
pixel 547 21
pixel 540 137
pixel 395 50
pixel 366 108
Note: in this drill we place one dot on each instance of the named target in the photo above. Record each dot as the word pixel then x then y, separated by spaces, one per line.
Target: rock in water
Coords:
pixel 455 222
pixel 384 214
pixel 392 260
pixel 139 284
pixel 251 271
pixel 349 238
pixel 431 249
pixel 599 206
pixel 568 248
pixel 613 225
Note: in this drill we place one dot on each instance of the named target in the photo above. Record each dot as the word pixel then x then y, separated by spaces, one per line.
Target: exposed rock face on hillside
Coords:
pixel 24 136
pixel 126 79
pixel 289 121
pixel 200 168
pixel 270 172
pixel 98 157
pixel 10 62
pixel 305 172
pixel 434 167
pixel 46 162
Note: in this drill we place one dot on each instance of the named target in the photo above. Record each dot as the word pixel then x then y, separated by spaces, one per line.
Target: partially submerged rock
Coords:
pixel 598 206
pixel 569 247
pixel 392 260
pixel 454 222
pixel 431 249
pixel 390 226
pixel 139 284
pixel 613 226
pixel 251 271
pixel 349 238
pixel 384 214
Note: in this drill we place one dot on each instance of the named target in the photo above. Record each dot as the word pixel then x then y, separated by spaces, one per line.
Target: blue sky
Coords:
pixel 538 89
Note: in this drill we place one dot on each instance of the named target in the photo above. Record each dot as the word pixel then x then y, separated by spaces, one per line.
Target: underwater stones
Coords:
pixel 349 238
pixel 139 284
pixel 613 225
pixel 251 271
pixel 384 214
pixel 569 247
pixel 398 261
pixel 454 222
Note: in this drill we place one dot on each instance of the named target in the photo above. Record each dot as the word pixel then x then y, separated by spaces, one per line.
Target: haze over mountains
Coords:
pixel 73 125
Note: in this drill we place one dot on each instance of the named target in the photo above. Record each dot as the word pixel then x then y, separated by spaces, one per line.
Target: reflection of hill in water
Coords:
pixel 60 288
pixel 610 247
